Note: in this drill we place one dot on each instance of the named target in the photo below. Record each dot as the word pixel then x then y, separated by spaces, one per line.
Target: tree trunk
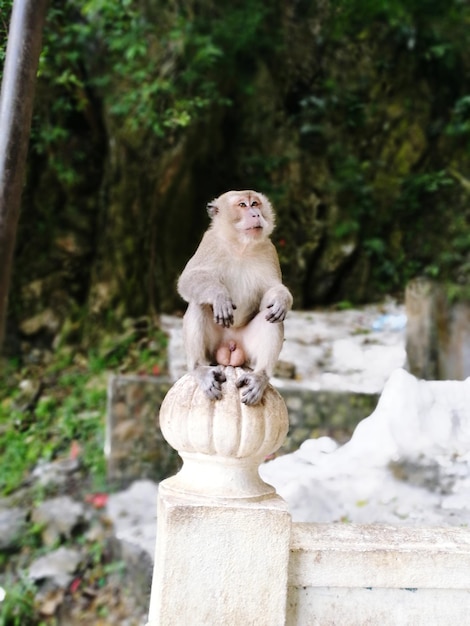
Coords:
pixel 16 105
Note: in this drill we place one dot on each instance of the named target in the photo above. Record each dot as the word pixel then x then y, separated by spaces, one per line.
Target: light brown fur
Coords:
pixel 235 294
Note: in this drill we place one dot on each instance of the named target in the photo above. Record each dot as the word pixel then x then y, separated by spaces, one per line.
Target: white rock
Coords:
pixel 58 567
pixel 133 513
pixel 422 422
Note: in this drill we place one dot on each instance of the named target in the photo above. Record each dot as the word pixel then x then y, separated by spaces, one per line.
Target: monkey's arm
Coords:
pixel 201 287
pixel 201 284
pixel 277 299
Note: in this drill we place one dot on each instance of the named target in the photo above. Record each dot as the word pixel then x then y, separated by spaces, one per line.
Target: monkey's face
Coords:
pixel 248 213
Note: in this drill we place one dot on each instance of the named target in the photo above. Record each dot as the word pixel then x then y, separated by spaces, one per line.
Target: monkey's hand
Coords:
pixel 210 380
pixel 277 311
pixel 223 308
pixel 255 383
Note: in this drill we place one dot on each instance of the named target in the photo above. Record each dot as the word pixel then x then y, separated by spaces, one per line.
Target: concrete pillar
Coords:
pixel 437 332
pixel 223 534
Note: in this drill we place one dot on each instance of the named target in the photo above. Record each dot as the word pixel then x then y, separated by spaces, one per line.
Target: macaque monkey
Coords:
pixel 236 299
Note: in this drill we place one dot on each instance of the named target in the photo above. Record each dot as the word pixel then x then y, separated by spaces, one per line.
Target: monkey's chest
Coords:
pixel 246 289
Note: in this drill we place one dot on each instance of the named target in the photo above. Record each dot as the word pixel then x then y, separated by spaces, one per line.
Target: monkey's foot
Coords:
pixel 255 383
pixel 210 380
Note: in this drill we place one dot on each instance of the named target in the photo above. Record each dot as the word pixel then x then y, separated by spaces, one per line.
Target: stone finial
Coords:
pixel 222 442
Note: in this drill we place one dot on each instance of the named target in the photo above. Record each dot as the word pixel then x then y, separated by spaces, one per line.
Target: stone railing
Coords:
pixel 228 553
pixel 222 533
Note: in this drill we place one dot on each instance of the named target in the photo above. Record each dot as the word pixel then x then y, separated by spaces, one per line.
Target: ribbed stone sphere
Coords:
pixel 222 442
pixel 192 423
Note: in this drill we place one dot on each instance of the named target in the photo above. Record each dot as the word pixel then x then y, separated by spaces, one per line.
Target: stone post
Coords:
pixel 437 332
pixel 223 534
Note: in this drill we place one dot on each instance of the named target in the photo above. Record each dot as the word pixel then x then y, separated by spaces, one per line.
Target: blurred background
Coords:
pixel 352 116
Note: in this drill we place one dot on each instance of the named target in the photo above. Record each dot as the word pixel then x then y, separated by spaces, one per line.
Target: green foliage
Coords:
pixel 459 124
pixel 17 608
pixel 70 411
pixel 405 213
pixel 75 414
pixel 156 77
pixel 164 90
pixel 417 188
pixel 430 21
pixel 5 11
pixel 377 97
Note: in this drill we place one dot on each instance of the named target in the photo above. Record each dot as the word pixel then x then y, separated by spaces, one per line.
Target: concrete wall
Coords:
pixel 353 575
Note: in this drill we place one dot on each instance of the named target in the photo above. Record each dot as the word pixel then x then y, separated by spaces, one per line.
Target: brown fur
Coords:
pixel 234 291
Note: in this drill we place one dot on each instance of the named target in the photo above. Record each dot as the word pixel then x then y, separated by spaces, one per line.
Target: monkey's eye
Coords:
pixel 255 203
pixel 242 204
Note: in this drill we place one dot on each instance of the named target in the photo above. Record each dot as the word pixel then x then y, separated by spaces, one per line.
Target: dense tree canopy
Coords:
pixel 352 115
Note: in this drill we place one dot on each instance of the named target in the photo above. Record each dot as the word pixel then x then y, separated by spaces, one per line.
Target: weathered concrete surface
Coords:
pixel 357 575
pixel 223 535
pixel 135 448
pixel 438 332
pixel 13 523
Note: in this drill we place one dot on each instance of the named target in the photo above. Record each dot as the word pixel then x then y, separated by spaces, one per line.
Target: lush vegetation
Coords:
pixel 50 413
pixel 159 70
pixel 55 410
pixel 5 10
pixel 376 99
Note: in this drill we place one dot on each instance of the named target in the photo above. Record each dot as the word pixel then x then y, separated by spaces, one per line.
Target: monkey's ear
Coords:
pixel 212 209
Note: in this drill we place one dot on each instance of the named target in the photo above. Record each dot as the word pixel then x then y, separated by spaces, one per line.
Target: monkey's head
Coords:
pixel 246 216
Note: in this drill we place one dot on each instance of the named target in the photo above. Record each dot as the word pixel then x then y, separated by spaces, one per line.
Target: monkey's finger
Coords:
pixel 278 318
pixel 219 375
pixel 212 389
pixel 214 393
pixel 243 380
pixel 277 314
pixel 223 320
pixel 252 395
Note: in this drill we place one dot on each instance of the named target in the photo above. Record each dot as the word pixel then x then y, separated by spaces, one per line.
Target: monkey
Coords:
pixel 235 295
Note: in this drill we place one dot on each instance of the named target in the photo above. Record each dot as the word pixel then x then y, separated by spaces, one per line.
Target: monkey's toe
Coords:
pixel 214 393
pixel 255 385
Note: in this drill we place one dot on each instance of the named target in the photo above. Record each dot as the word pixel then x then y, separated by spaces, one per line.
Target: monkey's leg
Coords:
pixel 210 379
pixel 262 341
pixel 201 337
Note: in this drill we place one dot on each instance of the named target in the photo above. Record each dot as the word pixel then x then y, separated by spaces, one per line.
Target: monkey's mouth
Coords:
pixel 255 228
